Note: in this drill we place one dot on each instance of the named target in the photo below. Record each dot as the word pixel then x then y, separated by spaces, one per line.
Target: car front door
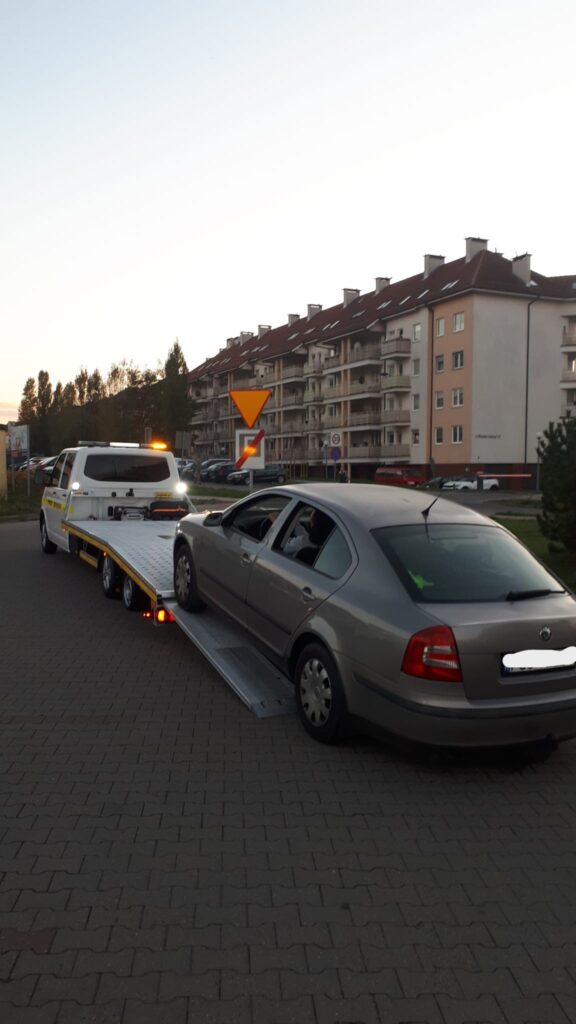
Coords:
pixel 224 555
pixel 283 590
pixel 56 499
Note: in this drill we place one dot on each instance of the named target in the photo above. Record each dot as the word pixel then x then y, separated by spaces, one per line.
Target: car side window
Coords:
pixel 335 557
pixel 67 471
pixel 255 518
pixel 55 478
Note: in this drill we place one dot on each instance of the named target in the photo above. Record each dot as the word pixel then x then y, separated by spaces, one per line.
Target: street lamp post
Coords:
pixel 538 440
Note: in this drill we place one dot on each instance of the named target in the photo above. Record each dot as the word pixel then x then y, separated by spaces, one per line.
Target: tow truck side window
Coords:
pixel 67 471
pixel 55 478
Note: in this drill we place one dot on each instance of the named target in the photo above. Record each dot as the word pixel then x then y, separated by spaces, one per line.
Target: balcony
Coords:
pixel 396 382
pixel 395 451
pixel 568 377
pixel 313 369
pixel 292 400
pixel 361 419
pixel 291 371
pixel 332 361
pixel 329 393
pixel 366 353
pixel 395 416
pixel 293 427
pixel 331 421
pixel 397 347
pixel 568 409
pixel 365 451
pixel 569 336
pixel 365 387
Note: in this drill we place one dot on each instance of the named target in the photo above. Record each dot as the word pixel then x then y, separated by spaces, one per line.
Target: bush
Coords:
pixel 557 451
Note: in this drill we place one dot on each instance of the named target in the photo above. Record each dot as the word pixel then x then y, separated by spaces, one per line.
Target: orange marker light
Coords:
pixel 159 446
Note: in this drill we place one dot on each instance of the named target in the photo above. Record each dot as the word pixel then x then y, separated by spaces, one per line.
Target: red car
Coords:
pixel 399 476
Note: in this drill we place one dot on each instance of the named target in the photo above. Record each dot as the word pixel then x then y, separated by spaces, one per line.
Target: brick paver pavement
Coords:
pixel 166 857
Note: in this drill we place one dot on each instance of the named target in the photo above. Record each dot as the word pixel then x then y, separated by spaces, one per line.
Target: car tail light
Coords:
pixel 433 654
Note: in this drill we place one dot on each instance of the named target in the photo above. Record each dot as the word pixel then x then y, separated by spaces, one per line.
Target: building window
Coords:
pixel 458 360
pixel 439 365
pixel 415 437
pixel 417 332
pixel 415 367
pixel 457 397
pixel 457 435
pixel 458 322
pixel 438 435
pixel 440 327
pixel 439 399
pixel 415 402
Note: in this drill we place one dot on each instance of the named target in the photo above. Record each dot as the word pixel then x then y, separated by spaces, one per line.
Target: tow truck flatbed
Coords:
pixel 143 550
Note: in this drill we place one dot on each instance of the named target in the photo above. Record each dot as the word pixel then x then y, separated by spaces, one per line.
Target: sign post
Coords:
pixel 250 404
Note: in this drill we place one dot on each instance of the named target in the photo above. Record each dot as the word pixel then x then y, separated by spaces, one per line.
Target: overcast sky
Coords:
pixel 193 169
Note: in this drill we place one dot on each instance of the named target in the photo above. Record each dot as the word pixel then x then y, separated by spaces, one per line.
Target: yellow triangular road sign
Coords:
pixel 250 403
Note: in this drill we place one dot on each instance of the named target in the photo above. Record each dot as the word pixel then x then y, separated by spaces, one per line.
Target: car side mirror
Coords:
pixel 213 519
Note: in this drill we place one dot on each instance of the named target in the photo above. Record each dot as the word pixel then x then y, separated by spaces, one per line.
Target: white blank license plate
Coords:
pixel 538 661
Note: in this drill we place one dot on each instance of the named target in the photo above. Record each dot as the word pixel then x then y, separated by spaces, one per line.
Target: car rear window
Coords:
pixel 128 469
pixel 458 563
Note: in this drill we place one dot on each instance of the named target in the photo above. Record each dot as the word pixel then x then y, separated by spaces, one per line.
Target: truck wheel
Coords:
pixel 110 577
pixel 319 694
pixel 185 581
pixel 132 596
pixel 46 544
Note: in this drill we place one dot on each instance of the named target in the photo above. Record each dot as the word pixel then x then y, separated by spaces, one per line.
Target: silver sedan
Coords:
pixel 392 607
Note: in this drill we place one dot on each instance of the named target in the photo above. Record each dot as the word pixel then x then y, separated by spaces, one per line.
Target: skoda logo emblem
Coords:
pixel 545 633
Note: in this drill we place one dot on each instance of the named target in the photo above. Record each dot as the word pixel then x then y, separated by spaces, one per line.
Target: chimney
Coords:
pixel 431 263
pixel 381 283
pixel 521 267
pixel 473 246
pixel 292 318
pixel 262 328
pixel 312 309
pixel 348 295
pixel 245 336
pixel 231 341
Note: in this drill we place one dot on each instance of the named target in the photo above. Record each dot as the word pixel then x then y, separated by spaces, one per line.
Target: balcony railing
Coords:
pixel 313 369
pixel 364 353
pixel 357 387
pixel 291 371
pixel 395 451
pixel 397 347
pixel 336 392
pixel 568 377
pixel 569 337
pixel 331 421
pixel 395 416
pixel 395 382
pixel 569 409
pixel 332 361
pixel 292 400
pixel 364 451
pixel 358 419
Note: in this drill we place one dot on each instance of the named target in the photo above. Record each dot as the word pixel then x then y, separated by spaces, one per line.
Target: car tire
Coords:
pixel 110 577
pixel 319 694
pixel 494 487
pixel 132 596
pixel 48 547
pixel 281 478
pixel 185 586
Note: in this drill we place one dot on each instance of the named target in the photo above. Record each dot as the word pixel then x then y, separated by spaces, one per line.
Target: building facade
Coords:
pixel 455 369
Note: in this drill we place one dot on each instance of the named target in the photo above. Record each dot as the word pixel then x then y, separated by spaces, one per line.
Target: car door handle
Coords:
pixel 245 558
pixel 307 595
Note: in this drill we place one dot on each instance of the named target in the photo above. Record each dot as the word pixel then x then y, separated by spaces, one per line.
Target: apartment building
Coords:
pixel 457 368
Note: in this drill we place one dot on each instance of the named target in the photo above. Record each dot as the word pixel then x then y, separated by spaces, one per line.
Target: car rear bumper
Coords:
pixel 473 727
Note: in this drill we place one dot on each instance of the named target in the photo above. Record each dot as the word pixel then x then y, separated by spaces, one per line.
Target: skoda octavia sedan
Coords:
pixel 393 607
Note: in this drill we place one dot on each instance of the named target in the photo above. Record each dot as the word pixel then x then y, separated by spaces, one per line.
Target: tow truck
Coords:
pixel 115 505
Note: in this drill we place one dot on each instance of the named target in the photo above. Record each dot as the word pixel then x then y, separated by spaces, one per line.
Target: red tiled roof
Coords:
pixel 486 271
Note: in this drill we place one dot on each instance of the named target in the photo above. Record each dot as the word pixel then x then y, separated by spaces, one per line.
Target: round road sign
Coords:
pixel 335 439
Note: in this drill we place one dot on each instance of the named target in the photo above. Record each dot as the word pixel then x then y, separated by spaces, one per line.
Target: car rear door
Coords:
pixel 283 591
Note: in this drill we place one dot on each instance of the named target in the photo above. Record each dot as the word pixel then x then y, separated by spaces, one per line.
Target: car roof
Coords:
pixel 374 505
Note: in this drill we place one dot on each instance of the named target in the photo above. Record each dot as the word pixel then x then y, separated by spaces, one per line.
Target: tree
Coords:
pixel 557 452
pixel 69 394
pixel 175 406
pixel 44 394
pixel 29 402
pixel 57 400
pixel 81 382
pixel 95 389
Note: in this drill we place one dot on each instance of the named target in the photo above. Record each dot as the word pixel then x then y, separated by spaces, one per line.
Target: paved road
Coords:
pixel 169 858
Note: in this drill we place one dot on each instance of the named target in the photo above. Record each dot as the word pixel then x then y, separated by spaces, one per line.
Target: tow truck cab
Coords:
pixel 110 481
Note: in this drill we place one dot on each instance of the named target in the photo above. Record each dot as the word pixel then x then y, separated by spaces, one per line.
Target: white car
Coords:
pixel 470 483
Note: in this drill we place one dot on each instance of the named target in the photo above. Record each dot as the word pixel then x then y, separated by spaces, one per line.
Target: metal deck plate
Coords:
pixel 252 677
pixel 145 546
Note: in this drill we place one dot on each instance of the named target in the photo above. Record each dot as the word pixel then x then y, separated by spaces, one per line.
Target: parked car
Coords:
pixel 218 473
pixel 270 474
pixel 46 465
pixel 470 483
pixel 417 615
pixel 206 465
pixel 189 471
pixel 399 476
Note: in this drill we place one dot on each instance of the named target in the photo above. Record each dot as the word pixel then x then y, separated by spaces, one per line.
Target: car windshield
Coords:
pixel 129 469
pixel 459 563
